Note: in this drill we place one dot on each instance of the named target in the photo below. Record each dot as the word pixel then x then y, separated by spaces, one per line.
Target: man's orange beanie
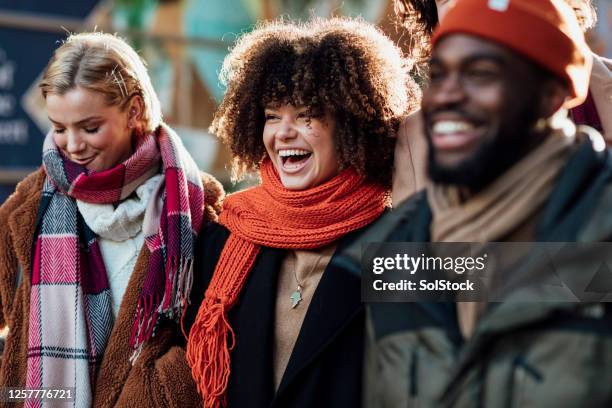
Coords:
pixel 545 31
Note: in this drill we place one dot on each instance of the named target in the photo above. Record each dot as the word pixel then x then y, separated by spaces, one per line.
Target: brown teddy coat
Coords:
pixel 160 376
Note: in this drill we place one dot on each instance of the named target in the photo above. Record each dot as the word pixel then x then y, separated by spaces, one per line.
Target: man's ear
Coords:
pixel 554 94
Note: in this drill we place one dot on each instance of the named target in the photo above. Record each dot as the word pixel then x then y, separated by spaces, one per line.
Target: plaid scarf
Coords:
pixel 70 302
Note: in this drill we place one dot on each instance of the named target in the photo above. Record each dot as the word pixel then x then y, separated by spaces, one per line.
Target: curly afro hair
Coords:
pixel 344 67
pixel 419 18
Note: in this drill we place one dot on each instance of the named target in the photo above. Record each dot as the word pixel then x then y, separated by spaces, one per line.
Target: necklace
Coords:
pixel 296 296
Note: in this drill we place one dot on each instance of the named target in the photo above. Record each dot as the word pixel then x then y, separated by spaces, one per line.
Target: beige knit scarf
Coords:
pixel 499 209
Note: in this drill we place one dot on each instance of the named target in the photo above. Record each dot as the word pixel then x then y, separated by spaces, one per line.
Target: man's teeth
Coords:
pixel 292 152
pixel 448 126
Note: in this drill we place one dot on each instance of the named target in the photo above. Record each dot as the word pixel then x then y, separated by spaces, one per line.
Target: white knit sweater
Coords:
pixel 120 236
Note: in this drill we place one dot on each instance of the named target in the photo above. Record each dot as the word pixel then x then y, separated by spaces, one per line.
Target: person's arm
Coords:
pixel 409 173
pixel 161 376
pixel 18 238
pixel 8 267
pixel 601 89
pixel 213 197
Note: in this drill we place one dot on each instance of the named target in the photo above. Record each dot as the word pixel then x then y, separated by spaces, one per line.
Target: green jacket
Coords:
pixel 538 354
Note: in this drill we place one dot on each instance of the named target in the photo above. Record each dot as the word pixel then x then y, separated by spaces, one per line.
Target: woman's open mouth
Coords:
pixel 294 160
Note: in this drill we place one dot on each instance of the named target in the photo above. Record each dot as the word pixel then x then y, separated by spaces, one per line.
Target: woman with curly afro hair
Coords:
pixel 313 108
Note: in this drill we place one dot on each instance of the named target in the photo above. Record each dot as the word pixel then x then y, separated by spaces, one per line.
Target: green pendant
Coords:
pixel 296 297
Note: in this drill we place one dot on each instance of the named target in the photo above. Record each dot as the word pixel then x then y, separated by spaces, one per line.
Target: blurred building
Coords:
pixel 184 43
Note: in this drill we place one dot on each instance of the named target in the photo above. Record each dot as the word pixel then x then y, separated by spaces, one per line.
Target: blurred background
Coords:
pixel 183 42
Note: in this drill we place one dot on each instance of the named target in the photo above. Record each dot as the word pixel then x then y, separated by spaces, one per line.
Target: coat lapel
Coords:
pixel 335 303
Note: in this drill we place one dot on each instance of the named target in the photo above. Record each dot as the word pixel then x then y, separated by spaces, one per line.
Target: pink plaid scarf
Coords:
pixel 70 301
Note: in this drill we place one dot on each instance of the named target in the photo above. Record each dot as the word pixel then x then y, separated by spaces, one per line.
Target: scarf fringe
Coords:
pixel 170 284
pixel 208 352
pixel 178 286
pixel 145 322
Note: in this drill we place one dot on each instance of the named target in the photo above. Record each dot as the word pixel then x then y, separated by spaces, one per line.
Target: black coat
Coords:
pixel 325 368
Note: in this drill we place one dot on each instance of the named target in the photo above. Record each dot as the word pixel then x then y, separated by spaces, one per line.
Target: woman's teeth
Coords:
pixel 292 152
pixel 293 158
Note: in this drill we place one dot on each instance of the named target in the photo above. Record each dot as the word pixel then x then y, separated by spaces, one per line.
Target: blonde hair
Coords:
pixel 102 63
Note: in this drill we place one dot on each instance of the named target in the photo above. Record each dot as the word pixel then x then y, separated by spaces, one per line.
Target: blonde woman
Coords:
pixel 97 245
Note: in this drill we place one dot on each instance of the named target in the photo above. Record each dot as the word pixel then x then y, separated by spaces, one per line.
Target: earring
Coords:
pixel 541 125
pixel 132 116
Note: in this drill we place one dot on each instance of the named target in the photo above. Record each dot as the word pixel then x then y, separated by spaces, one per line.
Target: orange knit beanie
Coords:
pixel 545 31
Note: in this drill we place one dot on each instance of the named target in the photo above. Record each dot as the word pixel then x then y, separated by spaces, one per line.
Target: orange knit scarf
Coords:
pixel 272 216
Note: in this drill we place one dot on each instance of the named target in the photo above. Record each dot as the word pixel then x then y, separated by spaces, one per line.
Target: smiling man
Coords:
pixel 481 110
pixel 419 18
pixel 506 165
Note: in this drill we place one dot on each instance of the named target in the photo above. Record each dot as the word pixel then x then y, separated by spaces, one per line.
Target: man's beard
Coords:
pixel 492 158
